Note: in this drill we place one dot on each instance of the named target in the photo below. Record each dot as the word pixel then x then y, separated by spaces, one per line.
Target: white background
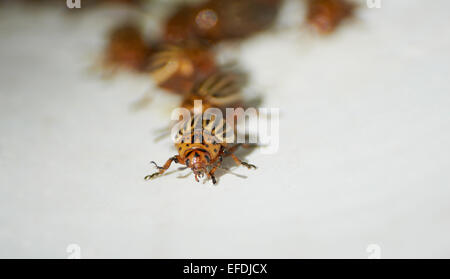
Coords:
pixel 363 157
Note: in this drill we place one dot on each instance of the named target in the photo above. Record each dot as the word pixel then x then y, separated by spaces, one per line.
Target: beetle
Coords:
pixel 202 139
pixel 202 150
pixel 126 48
pixel 326 15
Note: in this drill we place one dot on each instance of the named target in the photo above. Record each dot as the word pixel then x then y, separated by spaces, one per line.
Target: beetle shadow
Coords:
pixel 229 165
pixel 254 102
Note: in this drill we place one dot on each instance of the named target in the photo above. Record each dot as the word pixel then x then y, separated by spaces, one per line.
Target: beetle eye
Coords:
pixel 207 158
pixel 187 162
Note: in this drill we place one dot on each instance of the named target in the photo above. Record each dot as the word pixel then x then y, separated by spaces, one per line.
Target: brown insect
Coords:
pixel 127 48
pixel 178 67
pixel 326 15
pixel 201 148
pixel 202 141
pixel 218 20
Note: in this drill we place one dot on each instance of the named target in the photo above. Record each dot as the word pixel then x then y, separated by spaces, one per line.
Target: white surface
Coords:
pixel 363 158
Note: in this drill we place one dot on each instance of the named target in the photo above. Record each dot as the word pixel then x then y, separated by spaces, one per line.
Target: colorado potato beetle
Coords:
pixel 126 48
pixel 202 139
pixel 201 147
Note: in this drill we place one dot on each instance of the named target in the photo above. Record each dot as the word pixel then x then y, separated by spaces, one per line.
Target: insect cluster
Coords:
pixel 183 61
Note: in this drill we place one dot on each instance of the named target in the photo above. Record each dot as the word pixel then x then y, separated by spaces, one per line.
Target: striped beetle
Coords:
pixel 202 141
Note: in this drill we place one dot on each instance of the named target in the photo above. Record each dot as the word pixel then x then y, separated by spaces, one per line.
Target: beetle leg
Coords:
pixel 213 179
pixel 162 169
pixel 217 164
pixel 230 151
pixel 211 174
pixel 158 167
pixel 239 162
